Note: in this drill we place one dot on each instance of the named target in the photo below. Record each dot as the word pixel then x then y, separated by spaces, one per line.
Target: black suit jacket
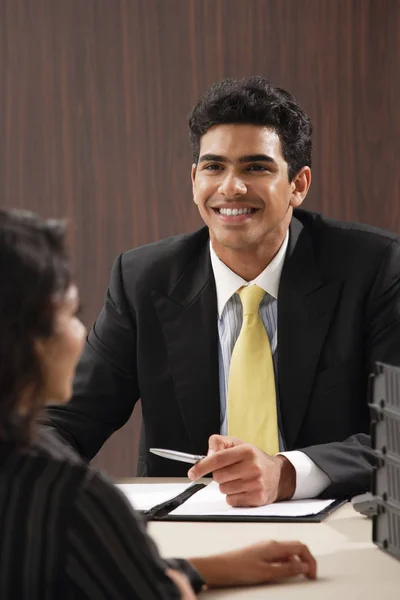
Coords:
pixel 156 339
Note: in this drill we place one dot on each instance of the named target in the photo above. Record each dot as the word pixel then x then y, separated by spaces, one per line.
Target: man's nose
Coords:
pixel 232 186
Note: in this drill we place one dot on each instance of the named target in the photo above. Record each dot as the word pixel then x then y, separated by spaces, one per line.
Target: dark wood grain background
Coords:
pixel 94 97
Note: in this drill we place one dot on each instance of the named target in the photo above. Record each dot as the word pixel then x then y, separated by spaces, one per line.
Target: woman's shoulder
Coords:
pixel 49 472
pixel 45 466
pixel 50 448
pixel 48 444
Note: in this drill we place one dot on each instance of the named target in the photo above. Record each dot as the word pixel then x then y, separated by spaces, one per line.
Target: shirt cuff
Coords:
pixel 311 481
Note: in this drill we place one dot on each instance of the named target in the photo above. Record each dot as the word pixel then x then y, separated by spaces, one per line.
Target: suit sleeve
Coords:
pixel 106 383
pixel 349 463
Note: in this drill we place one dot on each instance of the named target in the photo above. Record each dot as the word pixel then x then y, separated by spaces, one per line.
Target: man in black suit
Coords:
pixel 170 319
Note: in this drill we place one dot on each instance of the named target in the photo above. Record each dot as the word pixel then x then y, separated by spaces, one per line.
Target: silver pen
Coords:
pixel 175 455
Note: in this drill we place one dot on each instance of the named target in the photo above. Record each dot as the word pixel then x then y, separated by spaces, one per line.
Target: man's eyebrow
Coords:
pixel 243 159
pixel 257 158
pixel 213 157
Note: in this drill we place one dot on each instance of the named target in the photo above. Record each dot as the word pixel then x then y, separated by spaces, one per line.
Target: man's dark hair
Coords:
pixel 34 269
pixel 255 101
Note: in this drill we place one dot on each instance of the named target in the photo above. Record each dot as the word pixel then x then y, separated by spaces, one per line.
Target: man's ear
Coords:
pixel 300 186
pixel 193 177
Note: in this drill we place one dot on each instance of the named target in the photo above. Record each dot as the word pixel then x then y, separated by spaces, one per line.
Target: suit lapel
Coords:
pixel 188 318
pixel 305 309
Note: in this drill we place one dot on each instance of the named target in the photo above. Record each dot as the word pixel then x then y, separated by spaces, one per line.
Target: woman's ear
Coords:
pixel 41 346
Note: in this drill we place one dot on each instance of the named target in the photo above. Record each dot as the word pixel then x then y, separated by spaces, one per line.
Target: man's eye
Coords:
pixel 257 168
pixel 212 167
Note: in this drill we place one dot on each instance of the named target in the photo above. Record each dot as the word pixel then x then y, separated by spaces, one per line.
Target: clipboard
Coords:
pixel 165 511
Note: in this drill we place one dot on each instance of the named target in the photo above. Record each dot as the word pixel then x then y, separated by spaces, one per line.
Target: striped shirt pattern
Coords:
pixel 67 533
pixel 229 326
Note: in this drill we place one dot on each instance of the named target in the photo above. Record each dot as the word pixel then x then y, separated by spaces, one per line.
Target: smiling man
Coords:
pixel 251 339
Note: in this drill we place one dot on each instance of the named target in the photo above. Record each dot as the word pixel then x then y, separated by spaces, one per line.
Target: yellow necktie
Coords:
pixel 252 414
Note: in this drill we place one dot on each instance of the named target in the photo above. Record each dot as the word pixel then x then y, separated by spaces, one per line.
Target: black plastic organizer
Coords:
pixel 386 480
pixel 386 529
pixel 384 401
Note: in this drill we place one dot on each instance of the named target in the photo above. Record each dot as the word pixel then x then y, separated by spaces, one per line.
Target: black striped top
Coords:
pixel 67 533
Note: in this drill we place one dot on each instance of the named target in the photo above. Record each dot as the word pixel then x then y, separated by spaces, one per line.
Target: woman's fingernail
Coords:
pixel 211 451
pixel 190 474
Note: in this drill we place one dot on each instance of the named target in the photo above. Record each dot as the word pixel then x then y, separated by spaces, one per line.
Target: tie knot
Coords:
pixel 251 297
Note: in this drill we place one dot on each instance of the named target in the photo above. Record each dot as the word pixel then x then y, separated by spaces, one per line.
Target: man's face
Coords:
pixel 241 186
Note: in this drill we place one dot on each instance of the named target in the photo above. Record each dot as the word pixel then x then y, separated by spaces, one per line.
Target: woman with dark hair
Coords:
pixel 65 531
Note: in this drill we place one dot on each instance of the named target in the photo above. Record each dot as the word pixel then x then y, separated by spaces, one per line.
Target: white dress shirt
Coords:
pixel 310 479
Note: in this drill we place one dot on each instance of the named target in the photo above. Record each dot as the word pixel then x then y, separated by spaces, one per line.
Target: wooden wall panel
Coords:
pixel 94 96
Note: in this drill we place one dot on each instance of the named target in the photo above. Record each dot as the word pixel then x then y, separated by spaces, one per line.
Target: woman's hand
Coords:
pixel 260 563
pixel 182 583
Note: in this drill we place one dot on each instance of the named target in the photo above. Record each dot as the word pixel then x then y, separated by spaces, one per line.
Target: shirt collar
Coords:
pixel 227 282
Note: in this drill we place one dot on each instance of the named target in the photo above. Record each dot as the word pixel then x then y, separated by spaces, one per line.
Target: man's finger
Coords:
pixel 233 472
pixel 222 442
pixel 218 460
pixel 244 500
pixel 239 485
pixel 216 443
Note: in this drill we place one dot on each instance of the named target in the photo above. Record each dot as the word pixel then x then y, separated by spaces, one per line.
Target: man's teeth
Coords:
pixel 233 212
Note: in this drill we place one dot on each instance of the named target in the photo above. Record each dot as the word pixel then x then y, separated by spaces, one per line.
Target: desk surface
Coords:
pixel 350 567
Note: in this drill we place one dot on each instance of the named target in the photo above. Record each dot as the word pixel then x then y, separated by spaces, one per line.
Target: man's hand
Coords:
pixel 260 563
pixel 246 475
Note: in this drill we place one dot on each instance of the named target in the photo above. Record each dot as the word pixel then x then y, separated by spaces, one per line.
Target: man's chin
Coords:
pixel 231 242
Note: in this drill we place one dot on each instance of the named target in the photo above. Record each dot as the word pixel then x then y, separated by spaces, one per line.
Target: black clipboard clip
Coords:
pixel 164 508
